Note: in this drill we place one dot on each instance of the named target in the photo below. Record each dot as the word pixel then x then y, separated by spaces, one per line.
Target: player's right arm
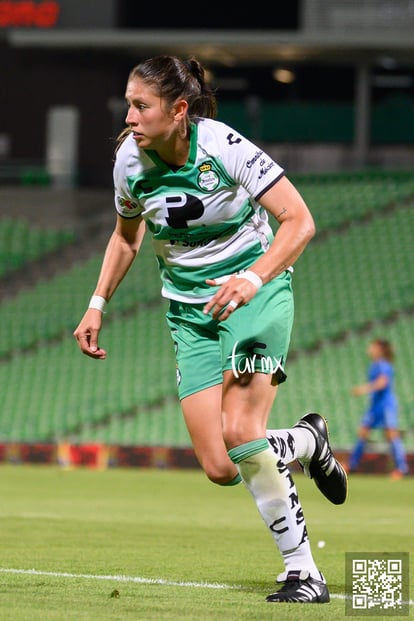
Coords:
pixel 379 383
pixel 120 252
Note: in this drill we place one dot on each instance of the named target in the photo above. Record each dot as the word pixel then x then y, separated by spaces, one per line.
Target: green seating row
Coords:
pixel 354 277
pixel 51 309
pixel 339 199
pixel 130 398
pixel 57 304
pixel 340 283
pixel 55 389
pixel 321 381
pixel 21 242
pixel 344 282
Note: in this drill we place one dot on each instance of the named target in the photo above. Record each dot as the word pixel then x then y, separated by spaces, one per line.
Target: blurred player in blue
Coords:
pixel 382 412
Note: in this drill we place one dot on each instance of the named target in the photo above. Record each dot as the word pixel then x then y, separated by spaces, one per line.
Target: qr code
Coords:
pixel 377 584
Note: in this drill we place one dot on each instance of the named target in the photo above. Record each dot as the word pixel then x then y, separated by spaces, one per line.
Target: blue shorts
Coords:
pixel 255 338
pixel 385 417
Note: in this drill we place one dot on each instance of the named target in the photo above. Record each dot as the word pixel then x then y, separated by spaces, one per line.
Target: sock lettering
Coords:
pixel 304 536
pixel 282 468
pixel 281 446
pixel 294 500
pixel 279 531
pixel 299 516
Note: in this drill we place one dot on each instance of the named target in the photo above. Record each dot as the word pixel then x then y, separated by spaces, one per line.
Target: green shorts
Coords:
pixel 255 338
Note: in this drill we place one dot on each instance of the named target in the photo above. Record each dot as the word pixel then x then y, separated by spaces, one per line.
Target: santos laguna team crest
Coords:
pixel 208 179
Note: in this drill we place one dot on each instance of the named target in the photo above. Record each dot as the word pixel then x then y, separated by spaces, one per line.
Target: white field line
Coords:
pixel 140 580
pixel 136 579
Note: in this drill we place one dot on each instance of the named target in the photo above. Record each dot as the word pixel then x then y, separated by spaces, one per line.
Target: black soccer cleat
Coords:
pixel 329 475
pixel 300 588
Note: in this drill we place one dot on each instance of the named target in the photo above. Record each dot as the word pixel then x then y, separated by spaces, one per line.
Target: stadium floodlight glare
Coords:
pixel 285 76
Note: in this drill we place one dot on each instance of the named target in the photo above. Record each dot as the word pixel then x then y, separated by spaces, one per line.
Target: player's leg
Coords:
pixel 312 447
pixel 370 420
pixel 358 449
pixel 199 380
pixel 393 436
pixel 268 320
pixel 246 407
pixel 398 453
pixel 202 415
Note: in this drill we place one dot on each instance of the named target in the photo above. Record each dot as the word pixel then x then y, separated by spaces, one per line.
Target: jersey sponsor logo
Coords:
pixel 208 179
pixel 181 208
pixel 186 243
pixel 265 167
pixel 126 204
pixel 254 159
pixel 231 140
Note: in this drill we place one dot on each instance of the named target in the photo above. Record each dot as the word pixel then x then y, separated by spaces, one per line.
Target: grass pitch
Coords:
pixel 132 544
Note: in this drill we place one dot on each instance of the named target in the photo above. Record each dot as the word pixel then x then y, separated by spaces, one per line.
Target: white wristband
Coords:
pixel 251 277
pixel 98 302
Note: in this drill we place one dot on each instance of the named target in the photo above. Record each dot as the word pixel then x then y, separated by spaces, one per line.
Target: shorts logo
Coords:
pixel 178 375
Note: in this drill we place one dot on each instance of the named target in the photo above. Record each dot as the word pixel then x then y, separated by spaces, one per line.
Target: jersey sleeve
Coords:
pixel 126 205
pixel 378 368
pixel 247 163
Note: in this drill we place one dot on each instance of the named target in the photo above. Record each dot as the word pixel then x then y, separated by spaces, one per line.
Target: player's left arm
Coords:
pixel 254 169
pixel 296 229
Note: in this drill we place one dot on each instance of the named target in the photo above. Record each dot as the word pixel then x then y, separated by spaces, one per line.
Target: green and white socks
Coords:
pixel 267 477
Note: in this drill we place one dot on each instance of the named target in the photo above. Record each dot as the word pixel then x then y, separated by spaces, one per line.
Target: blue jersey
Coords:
pixel 381 397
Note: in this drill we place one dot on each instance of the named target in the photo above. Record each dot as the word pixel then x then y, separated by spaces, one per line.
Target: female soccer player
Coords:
pixel 204 192
pixel 382 412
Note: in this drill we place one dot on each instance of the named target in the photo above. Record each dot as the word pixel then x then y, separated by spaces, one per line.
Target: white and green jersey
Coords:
pixel 204 217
